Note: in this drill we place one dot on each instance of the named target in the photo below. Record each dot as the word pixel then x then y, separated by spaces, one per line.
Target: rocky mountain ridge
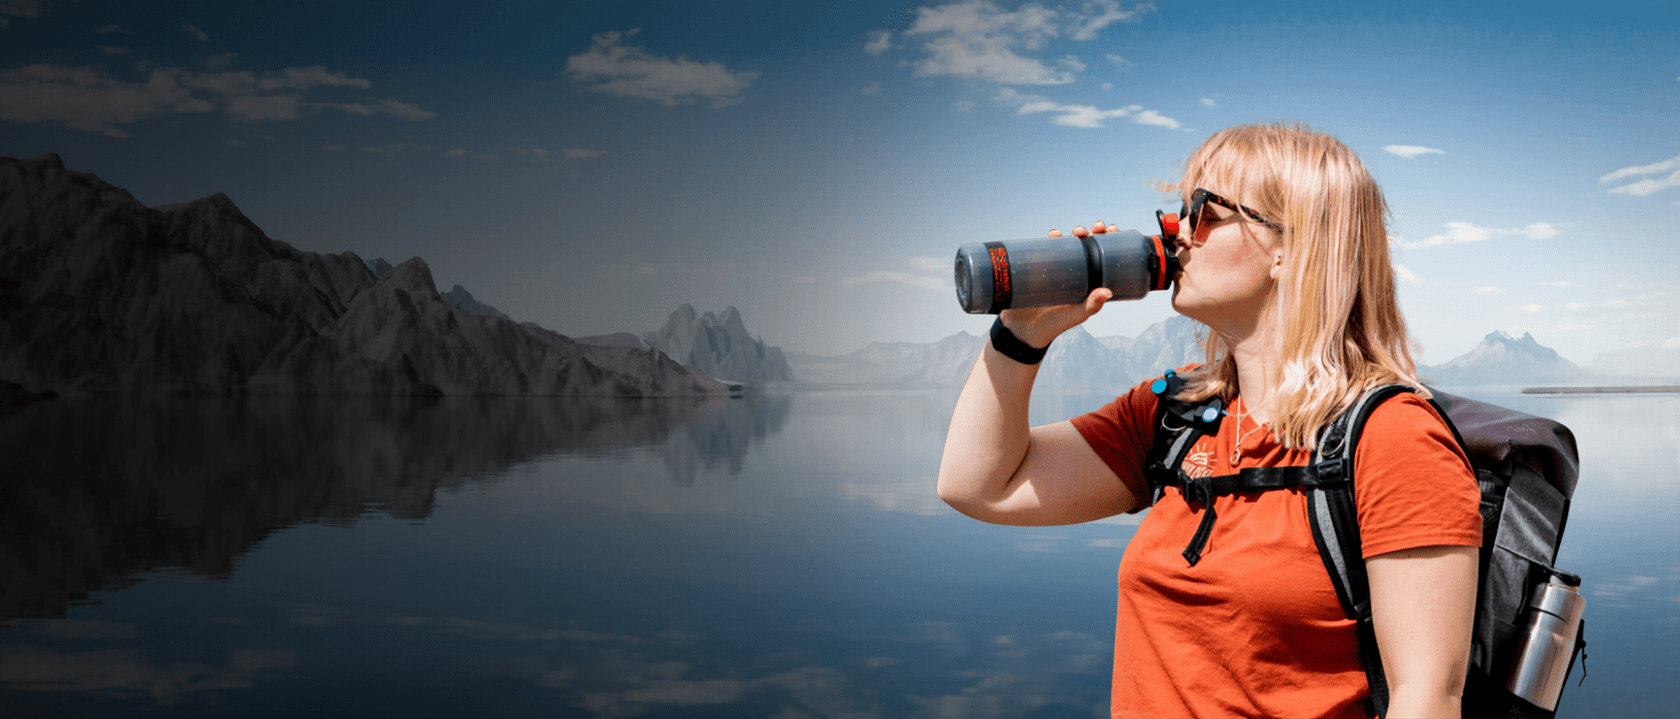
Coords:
pixel 720 346
pixel 99 293
pixel 1501 359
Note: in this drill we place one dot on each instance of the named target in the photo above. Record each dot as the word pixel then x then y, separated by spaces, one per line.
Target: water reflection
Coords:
pixel 764 557
pixel 100 490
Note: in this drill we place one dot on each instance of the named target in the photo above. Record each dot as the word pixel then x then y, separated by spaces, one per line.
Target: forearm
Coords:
pixel 989 434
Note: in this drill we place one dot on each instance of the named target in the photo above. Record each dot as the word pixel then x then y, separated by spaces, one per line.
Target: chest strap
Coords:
pixel 1203 490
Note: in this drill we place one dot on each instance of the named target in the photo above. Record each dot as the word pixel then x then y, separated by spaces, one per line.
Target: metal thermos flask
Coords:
pixel 996 276
pixel 1548 641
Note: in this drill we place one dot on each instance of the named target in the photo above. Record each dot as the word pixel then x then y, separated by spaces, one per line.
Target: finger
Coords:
pixel 1080 231
pixel 1099 228
pixel 1053 233
pixel 1095 301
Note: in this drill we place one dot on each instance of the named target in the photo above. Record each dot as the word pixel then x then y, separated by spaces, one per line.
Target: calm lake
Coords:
pixel 779 556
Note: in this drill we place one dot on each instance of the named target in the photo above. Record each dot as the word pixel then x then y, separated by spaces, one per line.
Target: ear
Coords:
pixel 1277 263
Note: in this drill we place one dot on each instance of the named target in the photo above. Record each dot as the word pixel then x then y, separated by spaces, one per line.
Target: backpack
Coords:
pixel 1526 469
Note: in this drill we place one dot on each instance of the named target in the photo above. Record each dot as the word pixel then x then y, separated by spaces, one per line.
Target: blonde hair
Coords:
pixel 1335 304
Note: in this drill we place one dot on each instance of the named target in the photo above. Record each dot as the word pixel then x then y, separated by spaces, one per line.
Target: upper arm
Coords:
pixel 1061 480
pixel 1423 603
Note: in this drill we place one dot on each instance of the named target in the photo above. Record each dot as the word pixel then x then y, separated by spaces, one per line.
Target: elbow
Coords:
pixel 963 492
pixel 952 491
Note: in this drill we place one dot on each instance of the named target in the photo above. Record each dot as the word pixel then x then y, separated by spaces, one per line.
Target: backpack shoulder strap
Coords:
pixel 1178 424
pixel 1334 517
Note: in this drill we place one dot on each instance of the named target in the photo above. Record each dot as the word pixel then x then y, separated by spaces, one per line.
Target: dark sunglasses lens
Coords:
pixel 1193 215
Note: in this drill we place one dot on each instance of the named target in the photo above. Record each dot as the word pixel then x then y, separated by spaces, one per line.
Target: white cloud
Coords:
pixel 1654 167
pixel 612 67
pixel 18 8
pixel 85 99
pixel 114 49
pixel 872 89
pixel 1461 232
pixel 1117 60
pixel 1080 116
pixel 1648 185
pixel 111 30
pixel 196 33
pixel 977 40
pixel 880 41
pixel 393 148
pixel 1099 14
pixel 402 110
pixel 88 99
pixel 974 40
pixel 1411 151
pixel 1488 290
pixel 1406 275
pixel 291 78
pixel 1208 102
pixel 1533 308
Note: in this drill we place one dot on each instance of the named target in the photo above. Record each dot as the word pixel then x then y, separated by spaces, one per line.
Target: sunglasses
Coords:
pixel 1193 214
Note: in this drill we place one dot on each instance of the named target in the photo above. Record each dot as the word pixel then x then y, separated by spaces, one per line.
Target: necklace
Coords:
pixel 1236 452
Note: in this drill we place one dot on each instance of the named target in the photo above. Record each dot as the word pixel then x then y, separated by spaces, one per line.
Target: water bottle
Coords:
pixel 1548 641
pixel 996 276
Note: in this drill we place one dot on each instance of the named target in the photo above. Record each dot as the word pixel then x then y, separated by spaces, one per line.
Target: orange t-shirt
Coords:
pixel 1255 629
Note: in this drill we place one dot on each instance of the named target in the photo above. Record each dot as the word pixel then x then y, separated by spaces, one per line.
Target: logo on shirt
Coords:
pixel 1199 463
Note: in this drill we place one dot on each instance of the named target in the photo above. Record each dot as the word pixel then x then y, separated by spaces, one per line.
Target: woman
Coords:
pixel 1287 264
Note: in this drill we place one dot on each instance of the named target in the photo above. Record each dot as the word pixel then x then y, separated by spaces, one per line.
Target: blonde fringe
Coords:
pixel 1342 330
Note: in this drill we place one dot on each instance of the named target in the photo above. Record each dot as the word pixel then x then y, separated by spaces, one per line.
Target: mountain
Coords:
pixel 1660 362
pixel 1168 344
pixel 940 364
pixel 1076 360
pixel 461 299
pixel 719 346
pixel 1501 359
pixel 616 339
pixel 99 293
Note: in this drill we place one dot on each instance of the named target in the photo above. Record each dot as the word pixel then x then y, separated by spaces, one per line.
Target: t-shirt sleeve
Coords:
pixel 1413 484
pixel 1121 434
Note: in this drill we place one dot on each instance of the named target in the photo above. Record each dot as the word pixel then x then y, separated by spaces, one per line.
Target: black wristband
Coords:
pixel 1007 344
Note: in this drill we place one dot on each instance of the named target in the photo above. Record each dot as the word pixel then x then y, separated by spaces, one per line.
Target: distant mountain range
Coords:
pixel 1079 361
pixel 1076 360
pixel 99 293
pixel 1501 359
pixel 718 345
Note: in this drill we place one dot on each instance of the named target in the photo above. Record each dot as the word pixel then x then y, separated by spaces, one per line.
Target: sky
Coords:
pixel 591 166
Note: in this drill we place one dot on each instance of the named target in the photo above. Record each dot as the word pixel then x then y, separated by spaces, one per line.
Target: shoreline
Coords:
pixel 1635 389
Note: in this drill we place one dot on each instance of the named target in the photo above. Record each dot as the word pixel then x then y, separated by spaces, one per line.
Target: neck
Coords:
pixel 1257 354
